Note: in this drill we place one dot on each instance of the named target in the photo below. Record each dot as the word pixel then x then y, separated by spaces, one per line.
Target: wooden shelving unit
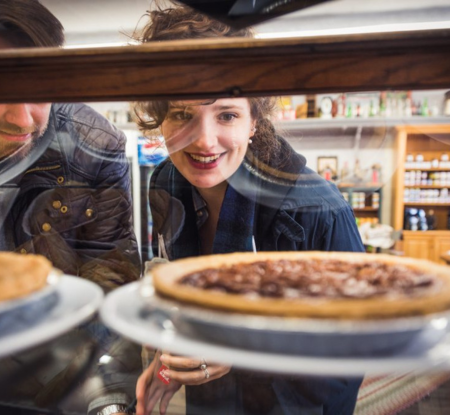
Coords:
pixel 368 189
pixel 430 141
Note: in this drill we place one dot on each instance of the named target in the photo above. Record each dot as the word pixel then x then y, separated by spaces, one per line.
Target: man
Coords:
pixel 65 194
pixel 65 185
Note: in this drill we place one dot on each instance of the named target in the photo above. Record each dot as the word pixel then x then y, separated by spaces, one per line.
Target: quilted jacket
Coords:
pixel 73 205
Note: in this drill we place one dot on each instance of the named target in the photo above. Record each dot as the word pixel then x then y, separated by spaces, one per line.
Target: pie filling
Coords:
pixel 314 278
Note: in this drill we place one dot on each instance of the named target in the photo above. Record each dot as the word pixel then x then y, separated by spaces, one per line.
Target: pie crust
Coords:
pixel 167 278
pixel 21 274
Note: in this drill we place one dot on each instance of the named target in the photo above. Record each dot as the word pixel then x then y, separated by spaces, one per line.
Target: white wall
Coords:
pixel 375 148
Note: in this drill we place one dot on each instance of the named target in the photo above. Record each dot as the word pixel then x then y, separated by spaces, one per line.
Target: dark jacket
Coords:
pixel 73 204
pixel 293 209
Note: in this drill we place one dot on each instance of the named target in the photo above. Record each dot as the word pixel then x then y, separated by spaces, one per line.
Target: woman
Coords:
pixel 231 181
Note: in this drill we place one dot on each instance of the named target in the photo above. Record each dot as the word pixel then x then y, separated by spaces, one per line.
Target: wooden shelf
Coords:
pixel 366 209
pixel 362 186
pixel 434 204
pixel 344 123
pixel 436 232
pixel 430 169
pixel 433 186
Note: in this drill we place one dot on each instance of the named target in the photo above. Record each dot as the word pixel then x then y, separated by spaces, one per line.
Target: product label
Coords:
pixel 162 374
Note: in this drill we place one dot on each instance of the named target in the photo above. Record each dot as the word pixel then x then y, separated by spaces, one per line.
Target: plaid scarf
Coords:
pixel 175 218
pixel 235 227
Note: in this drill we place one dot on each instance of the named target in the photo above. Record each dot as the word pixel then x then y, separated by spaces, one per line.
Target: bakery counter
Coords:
pixel 75 359
pixel 67 374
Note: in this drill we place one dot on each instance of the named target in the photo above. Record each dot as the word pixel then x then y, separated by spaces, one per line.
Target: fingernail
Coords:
pixel 163 358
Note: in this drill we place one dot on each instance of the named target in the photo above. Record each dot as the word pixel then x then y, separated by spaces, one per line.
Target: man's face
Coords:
pixel 20 125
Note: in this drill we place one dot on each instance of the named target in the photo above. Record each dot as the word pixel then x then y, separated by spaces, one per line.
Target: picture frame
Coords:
pixel 327 167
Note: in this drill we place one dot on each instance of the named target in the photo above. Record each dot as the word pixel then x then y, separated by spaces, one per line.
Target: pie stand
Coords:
pixel 385 354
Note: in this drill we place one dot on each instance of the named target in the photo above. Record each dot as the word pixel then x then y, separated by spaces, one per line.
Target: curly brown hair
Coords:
pixel 182 22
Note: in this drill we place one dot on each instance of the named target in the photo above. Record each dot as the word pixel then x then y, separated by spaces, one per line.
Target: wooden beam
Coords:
pixel 228 67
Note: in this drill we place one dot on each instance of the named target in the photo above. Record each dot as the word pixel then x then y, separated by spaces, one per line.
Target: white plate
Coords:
pixel 295 336
pixel 122 311
pixel 78 299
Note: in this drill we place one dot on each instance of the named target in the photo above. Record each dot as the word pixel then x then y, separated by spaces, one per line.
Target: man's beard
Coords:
pixel 20 150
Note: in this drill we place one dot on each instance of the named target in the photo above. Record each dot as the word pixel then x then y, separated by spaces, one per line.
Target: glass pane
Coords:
pixel 85 201
pixel 109 192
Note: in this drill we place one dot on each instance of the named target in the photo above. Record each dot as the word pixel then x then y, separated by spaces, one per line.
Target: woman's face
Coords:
pixel 207 142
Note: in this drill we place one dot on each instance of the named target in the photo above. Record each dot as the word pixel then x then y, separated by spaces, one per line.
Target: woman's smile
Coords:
pixel 204 161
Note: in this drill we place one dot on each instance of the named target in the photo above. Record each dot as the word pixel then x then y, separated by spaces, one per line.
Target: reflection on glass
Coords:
pixel 344 172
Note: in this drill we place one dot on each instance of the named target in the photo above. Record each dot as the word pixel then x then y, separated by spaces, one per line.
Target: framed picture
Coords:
pixel 327 167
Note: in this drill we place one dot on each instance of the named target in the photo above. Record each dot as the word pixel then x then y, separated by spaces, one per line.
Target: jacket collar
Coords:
pixel 284 184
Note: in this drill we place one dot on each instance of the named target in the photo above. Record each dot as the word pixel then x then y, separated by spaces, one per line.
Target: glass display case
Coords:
pixel 355 101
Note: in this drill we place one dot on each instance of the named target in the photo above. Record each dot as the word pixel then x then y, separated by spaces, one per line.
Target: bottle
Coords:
pixel 389 106
pixel 425 108
pixel 411 219
pixel 341 106
pixel 358 173
pixel 382 104
pixel 349 113
pixel 345 172
pixel 413 108
pixel 431 220
pixel 327 174
pixel 376 173
pixel 423 224
pixel 371 109
pixel 418 108
pixel 408 104
pixel 311 101
pixel 375 200
pixel 447 103
pixel 334 108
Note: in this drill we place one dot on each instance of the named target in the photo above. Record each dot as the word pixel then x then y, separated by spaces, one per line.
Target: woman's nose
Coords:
pixel 205 133
pixel 19 115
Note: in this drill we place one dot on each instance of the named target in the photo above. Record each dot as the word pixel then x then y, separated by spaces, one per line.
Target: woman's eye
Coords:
pixel 228 116
pixel 180 116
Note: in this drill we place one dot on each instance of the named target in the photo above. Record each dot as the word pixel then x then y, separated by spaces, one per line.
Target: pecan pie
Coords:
pixel 22 274
pixel 334 285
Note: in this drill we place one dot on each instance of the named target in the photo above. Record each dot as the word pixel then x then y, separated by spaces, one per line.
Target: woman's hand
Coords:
pixel 150 388
pixel 187 371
